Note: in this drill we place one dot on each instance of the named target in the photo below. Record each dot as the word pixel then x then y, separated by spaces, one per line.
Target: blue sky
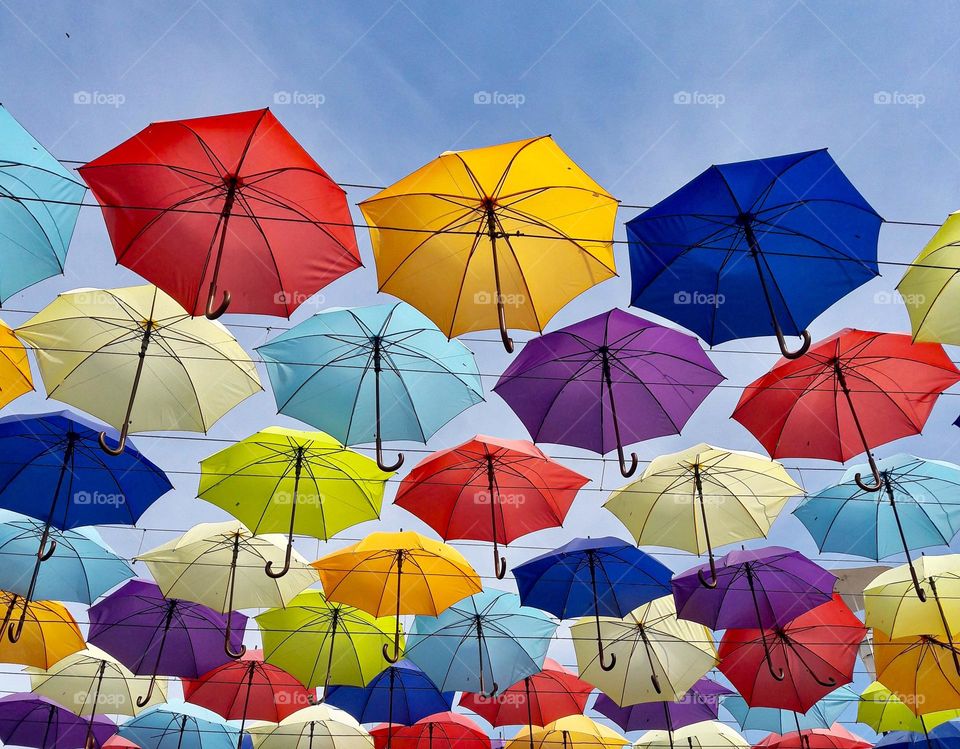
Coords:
pixel 643 95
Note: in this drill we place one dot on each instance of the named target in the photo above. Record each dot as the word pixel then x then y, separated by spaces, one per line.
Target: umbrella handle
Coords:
pixel 226 643
pixel 627 470
pixel 211 312
pixel 698 485
pixel 655 680
pixel 47 550
pixel 121 445
pixel 787 353
pixel 380 460
pixel 500 566
pixel 506 339
pixel 877 479
pixel 828 682
pixel 780 675
pixel 713 581
pixel 391 657
pixel 286 563
pixel 16 629
pixel 144 699
pixel 601 655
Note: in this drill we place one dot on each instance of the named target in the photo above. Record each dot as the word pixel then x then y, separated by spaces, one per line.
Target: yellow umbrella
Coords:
pixel 49 633
pixel 884 711
pixel 389 574
pixel 930 288
pixel 502 236
pixel 15 378
pixel 919 670
pixel 708 734
pixel 703 497
pixel 571 732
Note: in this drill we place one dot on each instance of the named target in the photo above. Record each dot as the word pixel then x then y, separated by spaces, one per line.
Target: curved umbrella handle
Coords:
pixel 655 680
pixel 627 470
pixel 121 445
pixel 499 565
pixel 47 550
pixel 804 346
pixel 384 466
pixel 601 656
pixel 712 582
pixel 877 479
pixel 227 648
pixel 286 562
pixel 779 674
pixel 391 657
pixel 506 339
pixel 211 312
pixel 144 699
pixel 828 682
pixel 16 629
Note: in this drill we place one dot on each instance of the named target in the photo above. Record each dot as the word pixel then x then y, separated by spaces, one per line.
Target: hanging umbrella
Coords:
pixel 489 489
pixel 446 730
pixel 606 382
pixel 701 702
pixel 832 737
pixel 527 201
pixel 39 203
pixel 884 711
pixel 229 205
pixel 794 665
pixel 823 714
pixel 179 725
pixel 754 248
pixel 484 643
pixel 391 574
pixel 322 642
pixel 95 346
pixel 571 732
pixel 592 577
pixel 118 742
pixel 919 670
pixel 154 635
pixel 47 632
pixel 852 580
pixel 221 565
pixel 659 657
pixel 918 508
pixel 288 481
pixel 371 373
pixel 944 736
pixel 703 497
pixel 53 471
pixel 846 396
pixel 314 727
pixel 29 720
pixel 709 734
pixel 15 377
pixel 929 287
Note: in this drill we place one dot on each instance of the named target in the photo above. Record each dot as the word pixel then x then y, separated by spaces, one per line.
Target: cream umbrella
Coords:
pixel 707 734
pixel 314 727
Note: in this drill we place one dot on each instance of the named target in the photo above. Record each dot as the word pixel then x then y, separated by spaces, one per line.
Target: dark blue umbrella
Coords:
pixel 754 248
pixel 944 736
pixel 592 577
pixel 54 470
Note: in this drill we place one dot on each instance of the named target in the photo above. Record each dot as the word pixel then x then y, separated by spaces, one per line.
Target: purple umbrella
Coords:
pixel 151 634
pixel 701 702
pixel 32 721
pixel 606 382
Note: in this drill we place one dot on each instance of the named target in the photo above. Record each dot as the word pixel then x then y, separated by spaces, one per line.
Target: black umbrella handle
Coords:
pixel 494 231
pixel 596 611
pixel 125 429
pixel 378 439
pixel 297 471
pixel 626 470
pixel 877 479
pixel 395 655
pixel 778 674
pixel 698 487
pixel 921 594
pixel 232 582
pixel 213 311
pixel 499 563
pixel 946 625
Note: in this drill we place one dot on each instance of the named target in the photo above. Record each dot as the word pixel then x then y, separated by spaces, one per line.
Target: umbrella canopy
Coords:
pixel 39 203
pixel 822 715
pixel 944 736
pixel 884 711
pixel 892 607
pixel 919 670
pixel 792 666
pixel 447 730
pixel 371 374
pixel 47 632
pixel 489 489
pixel 701 702
pixel 929 287
pixel 846 396
pixel 95 346
pixel 398 573
pixel 571 732
pixel 592 577
pixel 314 727
pixel 491 237
pixel 734 253
pixel 32 721
pixel 833 737
pixel 703 497
pixel 179 725
pixel 229 205
pixel 484 643
pixel 852 580
pixel 606 382
pixel 709 734
pixel 15 377
pixel 289 481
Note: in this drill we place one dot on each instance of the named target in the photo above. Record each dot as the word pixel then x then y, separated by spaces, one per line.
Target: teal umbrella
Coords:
pixel 369 374
pixel 39 202
pixel 822 715
pixel 179 725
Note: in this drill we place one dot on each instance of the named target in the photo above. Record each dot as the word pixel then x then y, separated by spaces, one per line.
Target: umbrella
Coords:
pixel 230 202
pixel 918 508
pixel 202 565
pixel 754 248
pixel 570 732
pixel 47 632
pixel 757 588
pixel 397 573
pixel 484 643
pixel 15 377
pixel 451 491
pixel 322 642
pixel 884 711
pixel 179 725
pixel 154 635
pixel 53 471
pixel 709 734
pixel 701 702
pixel 701 497
pixel 846 396
pixel 39 203
pixel 592 577
pixel 944 736
pixel 929 287
pixel 793 665
pixel 822 715
pixel 606 382
pixel 653 649
pixel 919 670
pixel 94 346
pixel 314 727
pixel 832 737
pixel 852 580
pixel 288 481
pixel 448 730
pixel 29 720
pixel 533 204
pixel 371 373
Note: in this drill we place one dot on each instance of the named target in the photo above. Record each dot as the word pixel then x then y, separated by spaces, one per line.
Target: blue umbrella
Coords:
pixel 592 577
pixel 918 507
pixel 488 634
pixel 179 725
pixel 54 470
pixel 754 248
pixel 371 374
pixel 39 203
pixel 822 715
pixel 944 736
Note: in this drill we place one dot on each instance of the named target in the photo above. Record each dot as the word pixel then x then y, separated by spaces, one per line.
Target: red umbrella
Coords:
pixel 835 737
pixel 438 731
pixel 793 666
pixel 849 393
pixel 229 205
pixel 489 489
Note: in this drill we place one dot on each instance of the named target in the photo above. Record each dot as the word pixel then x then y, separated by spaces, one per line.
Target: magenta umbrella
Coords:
pixel 607 382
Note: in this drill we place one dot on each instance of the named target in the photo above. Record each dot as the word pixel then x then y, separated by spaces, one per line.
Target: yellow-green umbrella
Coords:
pixel 289 481
pixel 931 286
pixel 314 727
pixel 703 497
pixel 135 359
pixel 571 732
pixel 884 711
pixel 322 642
pixel 707 734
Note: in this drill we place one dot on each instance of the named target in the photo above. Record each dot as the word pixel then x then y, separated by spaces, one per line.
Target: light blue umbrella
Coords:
pixel 486 640
pixel 822 715
pixel 918 506
pixel 371 374
pixel 179 725
pixel 39 203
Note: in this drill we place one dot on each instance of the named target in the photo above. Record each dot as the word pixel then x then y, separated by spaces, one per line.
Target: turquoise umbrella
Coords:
pixel 822 715
pixel 179 725
pixel 486 641
pixel 39 202
pixel 369 374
